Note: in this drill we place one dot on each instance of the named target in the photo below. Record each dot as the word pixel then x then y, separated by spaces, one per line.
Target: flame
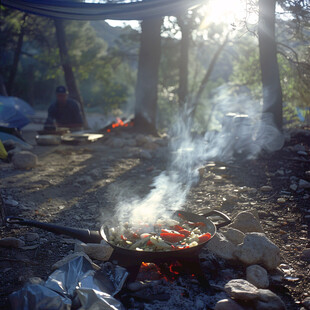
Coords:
pixel 119 123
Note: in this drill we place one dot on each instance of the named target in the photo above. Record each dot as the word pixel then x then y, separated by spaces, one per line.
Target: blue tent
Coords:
pixel 103 9
pixel 14 112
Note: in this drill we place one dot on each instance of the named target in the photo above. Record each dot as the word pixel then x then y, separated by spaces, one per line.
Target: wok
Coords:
pixel 96 236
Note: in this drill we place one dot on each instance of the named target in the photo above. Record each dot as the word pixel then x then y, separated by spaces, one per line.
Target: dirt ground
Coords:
pixel 72 184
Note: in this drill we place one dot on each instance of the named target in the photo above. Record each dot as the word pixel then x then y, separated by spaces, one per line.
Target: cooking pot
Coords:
pixel 96 236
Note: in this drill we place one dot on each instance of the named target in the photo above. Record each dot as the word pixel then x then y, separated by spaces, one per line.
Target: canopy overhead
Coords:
pixel 103 9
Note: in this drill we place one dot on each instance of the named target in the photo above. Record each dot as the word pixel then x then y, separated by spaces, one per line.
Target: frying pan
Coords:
pixel 96 236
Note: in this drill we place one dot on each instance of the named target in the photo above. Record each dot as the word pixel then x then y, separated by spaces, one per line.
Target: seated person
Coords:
pixel 64 112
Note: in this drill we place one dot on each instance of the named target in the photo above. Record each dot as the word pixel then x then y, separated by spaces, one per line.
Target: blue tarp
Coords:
pixel 14 112
pixel 103 9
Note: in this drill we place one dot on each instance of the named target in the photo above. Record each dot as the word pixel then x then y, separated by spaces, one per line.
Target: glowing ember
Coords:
pixel 120 123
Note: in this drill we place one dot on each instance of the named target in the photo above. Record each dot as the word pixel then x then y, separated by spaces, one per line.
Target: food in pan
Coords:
pixel 163 235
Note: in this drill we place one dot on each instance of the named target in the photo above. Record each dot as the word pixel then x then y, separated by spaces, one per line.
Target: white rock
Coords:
pixel 227 304
pixel 24 160
pixel 101 251
pixel 266 188
pixel 234 235
pixel 241 289
pixel 258 249
pixel 258 276
pixel 246 222
pixel 281 200
pixel 222 247
pixel 267 300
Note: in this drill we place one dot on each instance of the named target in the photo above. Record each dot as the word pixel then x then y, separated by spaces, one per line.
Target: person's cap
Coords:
pixel 61 90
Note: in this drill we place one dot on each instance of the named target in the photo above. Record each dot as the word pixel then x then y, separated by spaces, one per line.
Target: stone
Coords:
pixel 11 242
pixel 258 276
pixel 118 143
pixel 241 289
pixel 304 184
pixel 234 235
pixel 306 254
pixel 85 180
pixel 258 249
pixel 101 251
pixel 142 139
pixel 246 222
pixel 131 142
pixel 95 173
pixel 24 160
pixel 145 154
pixel 294 187
pixel 227 304
pixel 267 300
pixel 30 237
pixel 221 247
pixel 266 188
pixel 306 303
pixel 281 200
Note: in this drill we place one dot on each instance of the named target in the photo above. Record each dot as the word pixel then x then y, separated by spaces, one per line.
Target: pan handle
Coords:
pixel 226 218
pixel 85 235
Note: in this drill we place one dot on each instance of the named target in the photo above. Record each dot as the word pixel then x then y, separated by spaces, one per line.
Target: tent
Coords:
pixel 14 112
pixel 103 9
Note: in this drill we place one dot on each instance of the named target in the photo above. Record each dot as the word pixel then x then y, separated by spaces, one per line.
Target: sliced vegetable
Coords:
pixel 172 237
pixel 205 237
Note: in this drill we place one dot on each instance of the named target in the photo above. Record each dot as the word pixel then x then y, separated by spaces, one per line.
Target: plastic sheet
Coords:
pixel 75 285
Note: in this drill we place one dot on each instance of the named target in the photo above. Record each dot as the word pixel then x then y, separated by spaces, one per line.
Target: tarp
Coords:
pixel 103 9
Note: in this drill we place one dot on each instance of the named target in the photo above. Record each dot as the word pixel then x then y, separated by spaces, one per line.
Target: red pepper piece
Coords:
pixel 205 237
pixel 184 232
pixel 149 242
pixel 123 237
pixel 171 237
pixel 177 227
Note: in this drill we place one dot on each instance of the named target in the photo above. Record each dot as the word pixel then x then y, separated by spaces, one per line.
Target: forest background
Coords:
pixel 104 60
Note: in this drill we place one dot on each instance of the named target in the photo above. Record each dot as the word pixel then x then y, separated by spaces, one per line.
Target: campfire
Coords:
pixel 117 124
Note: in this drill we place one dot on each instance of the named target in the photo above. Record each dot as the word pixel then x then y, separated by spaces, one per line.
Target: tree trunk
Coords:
pixel 3 91
pixel 147 79
pixel 68 72
pixel 207 76
pixel 16 57
pixel 272 92
pixel 183 69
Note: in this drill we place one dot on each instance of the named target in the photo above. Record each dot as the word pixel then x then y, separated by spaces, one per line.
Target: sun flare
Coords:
pixel 225 12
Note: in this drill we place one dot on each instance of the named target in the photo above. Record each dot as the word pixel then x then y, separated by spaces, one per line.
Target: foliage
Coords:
pixel 102 77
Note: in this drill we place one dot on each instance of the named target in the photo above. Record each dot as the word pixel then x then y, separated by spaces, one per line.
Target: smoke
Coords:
pixel 239 129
